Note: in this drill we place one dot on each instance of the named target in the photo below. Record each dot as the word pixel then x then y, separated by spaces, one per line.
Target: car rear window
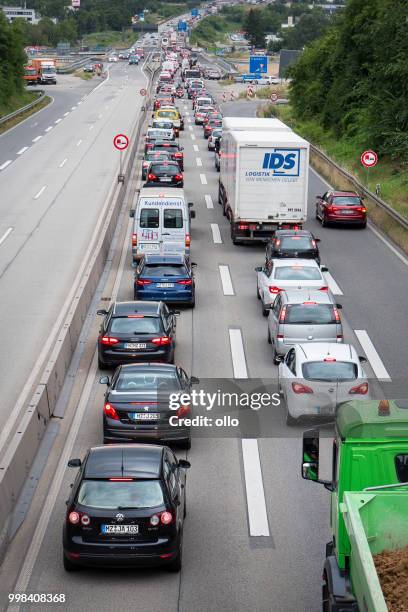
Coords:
pixel 329 371
pixel 173 218
pixel 143 325
pixel 309 314
pixel 170 169
pixel 294 243
pixel 113 495
pixel 156 156
pixel 147 381
pixel 346 201
pixel 297 273
pixel 149 218
pixel 170 148
pixel 169 114
pixel 161 269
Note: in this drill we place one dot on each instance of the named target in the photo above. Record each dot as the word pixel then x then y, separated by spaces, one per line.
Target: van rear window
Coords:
pixel 310 314
pixel 401 465
pixel 149 218
pixel 173 218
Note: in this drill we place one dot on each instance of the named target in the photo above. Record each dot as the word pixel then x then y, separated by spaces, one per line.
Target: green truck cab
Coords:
pixel 369 499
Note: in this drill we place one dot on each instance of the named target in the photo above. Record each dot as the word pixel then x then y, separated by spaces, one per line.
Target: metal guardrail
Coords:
pixel 25 108
pixel 74 65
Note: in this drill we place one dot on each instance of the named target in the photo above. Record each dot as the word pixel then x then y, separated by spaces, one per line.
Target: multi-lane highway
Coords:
pixel 237 488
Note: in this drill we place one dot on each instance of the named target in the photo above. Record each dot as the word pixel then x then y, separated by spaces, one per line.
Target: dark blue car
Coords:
pixel 168 278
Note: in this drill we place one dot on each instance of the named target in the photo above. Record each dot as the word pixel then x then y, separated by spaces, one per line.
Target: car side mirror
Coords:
pixel 132 213
pixel 74 463
pixel 175 312
pixel 192 214
pixel 362 359
pixel 317 240
pixel 190 204
pixel 324 268
pixel 194 380
pixel 258 269
pixel 104 380
pixel 193 264
pixel 184 464
pixel 339 306
pixel 102 312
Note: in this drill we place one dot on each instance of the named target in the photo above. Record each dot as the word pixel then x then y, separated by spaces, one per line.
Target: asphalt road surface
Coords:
pixel 237 488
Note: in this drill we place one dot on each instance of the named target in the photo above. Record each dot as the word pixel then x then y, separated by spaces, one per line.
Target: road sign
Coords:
pixel 258 64
pixel 250 92
pixel 369 158
pixel 121 142
pixel 274 97
pixel 232 96
pixel 194 12
pixel 143 92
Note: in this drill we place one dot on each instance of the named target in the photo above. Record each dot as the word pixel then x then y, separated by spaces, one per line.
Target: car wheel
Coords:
pixel 290 421
pixel 68 565
pixel 269 336
pixel 192 304
pixel 265 311
pixel 102 365
pixel 175 565
pixel 323 221
pixel 363 225
pixel 185 508
pixel 275 355
pixel 219 197
pixel 258 295
pixel 317 213
pixel 186 444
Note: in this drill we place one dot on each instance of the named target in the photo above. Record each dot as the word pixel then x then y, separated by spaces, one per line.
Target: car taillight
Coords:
pixel 323 288
pixel 277 243
pixel 361 389
pixel 274 290
pixel 134 239
pixel 361 209
pixel 178 155
pixel 149 145
pixel 109 341
pixel 280 336
pixel 151 177
pixel 336 315
pixel 183 411
pixel 142 281
pixel 188 240
pixel 178 177
pixel 110 412
pixel 186 281
pixel 296 227
pixel 243 226
pixel 166 518
pixel 74 518
pixel 314 244
pixel 282 315
pixel 163 341
pixel 299 388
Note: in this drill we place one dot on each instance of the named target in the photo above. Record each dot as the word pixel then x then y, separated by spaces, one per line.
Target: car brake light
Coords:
pixel 183 411
pixel 282 315
pixel 360 389
pixel 110 412
pixel 274 290
pixel 142 281
pixel 149 145
pixel 336 315
pixel 188 240
pixel 109 341
pixel 280 336
pixel 296 227
pixel 329 359
pixel 121 479
pixel 186 281
pixel 178 155
pixel 73 518
pixel 323 288
pixel 178 177
pixel 166 518
pixel 299 388
pixel 134 239
pixel 314 243
pixel 243 226
pixel 163 341
pixel 277 243
pixel 151 177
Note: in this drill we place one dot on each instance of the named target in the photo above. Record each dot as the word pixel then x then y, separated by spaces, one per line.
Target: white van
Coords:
pixel 161 222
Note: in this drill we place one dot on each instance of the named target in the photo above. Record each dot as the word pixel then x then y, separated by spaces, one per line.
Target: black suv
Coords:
pixel 293 243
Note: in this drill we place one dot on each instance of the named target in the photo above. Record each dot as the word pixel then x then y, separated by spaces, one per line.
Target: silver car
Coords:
pixel 303 316
pixel 315 377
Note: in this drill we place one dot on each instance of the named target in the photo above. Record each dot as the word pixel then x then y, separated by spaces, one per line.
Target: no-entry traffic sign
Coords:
pixel 143 92
pixel 369 158
pixel 274 97
pixel 121 142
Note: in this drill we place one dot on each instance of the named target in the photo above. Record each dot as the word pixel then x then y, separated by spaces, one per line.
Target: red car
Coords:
pixel 212 124
pixel 341 207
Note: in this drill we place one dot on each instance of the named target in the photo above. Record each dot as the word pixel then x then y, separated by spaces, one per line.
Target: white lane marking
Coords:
pixel 196 149
pixel 66 114
pixel 58 120
pixel 34 124
pixel 190 127
pixel 188 118
pixel 192 137
pixel 333 286
pixel 80 102
pixel 7 163
pixel 49 128
pixel 21 151
pixel 226 280
pixel 73 108
pixel 255 494
pixel 37 138
pixel 199 161
pixel 216 234
pixel 78 143
pixel 203 179
pixel 62 164
pixel 6 234
pixel 208 200
pixel 376 363
pixel 100 116
pixel 238 354
pixel 43 188
pixel 91 127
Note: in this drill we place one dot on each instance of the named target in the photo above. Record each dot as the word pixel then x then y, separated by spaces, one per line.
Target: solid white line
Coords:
pixel 48 128
pixel 208 201
pixel 203 179
pixel 333 286
pixel 62 164
pixel 196 149
pixel 66 114
pixel 21 151
pixel 190 127
pixel 389 245
pixel 40 192
pixel 91 127
pixel 188 118
pixel 37 138
pixel 80 102
pixel 6 233
pixel 226 280
pixel 199 161
pixel 238 354
pixel 372 355
pixel 73 108
pixel 78 143
pixel 192 137
pixel 58 120
pixel 216 233
pixel 255 494
pixel 7 163
pixel 34 124
pixel 100 116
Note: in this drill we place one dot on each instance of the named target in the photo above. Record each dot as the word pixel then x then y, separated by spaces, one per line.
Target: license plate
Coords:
pixel 146 246
pixel 165 285
pixel 144 416
pixel 120 529
pixel 165 179
pixel 135 345
pixel 347 212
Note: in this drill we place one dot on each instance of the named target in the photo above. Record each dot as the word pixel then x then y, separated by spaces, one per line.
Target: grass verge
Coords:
pixel 12 122
pixel 86 76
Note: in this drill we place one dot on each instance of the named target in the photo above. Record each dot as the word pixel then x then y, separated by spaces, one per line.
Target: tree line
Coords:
pixel 12 60
pixel 354 79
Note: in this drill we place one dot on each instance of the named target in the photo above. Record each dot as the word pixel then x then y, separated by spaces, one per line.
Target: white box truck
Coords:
pixel 264 124
pixel 263 182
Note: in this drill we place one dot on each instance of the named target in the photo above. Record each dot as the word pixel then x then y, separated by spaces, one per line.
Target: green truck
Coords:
pixel 369 502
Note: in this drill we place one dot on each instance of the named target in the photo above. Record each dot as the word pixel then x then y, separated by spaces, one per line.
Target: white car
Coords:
pixel 315 377
pixel 216 133
pixel 277 275
pixel 113 58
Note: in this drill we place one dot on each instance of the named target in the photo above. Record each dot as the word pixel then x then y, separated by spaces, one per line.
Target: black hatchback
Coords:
pixel 164 173
pixel 136 331
pixel 137 406
pixel 293 243
pixel 126 508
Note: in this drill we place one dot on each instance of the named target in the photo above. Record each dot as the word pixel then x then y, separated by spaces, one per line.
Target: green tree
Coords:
pixel 254 28
pixel 309 27
pixel 12 60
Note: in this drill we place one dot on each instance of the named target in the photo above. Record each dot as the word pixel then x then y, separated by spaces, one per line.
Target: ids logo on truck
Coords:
pixel 282 162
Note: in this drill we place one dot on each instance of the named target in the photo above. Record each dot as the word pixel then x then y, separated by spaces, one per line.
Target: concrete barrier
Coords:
pixel 17 460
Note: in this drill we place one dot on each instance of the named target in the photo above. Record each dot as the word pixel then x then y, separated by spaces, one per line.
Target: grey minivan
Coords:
pixel 303 316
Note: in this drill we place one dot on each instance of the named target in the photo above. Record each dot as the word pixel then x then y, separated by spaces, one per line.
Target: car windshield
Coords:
pixel 142 325
pixel 163 269
pixel 170 169
pixel 297 273
pixel 329 371
pixel 294 243
pixel 309 314
pixel 112 495
pixel 147 381
pixel 346 201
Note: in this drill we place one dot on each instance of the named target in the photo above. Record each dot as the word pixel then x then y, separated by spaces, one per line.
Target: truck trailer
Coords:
pixel 263 182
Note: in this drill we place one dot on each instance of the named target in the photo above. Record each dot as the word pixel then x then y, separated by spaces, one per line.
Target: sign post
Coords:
pixel 369 159
pixel 121 142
